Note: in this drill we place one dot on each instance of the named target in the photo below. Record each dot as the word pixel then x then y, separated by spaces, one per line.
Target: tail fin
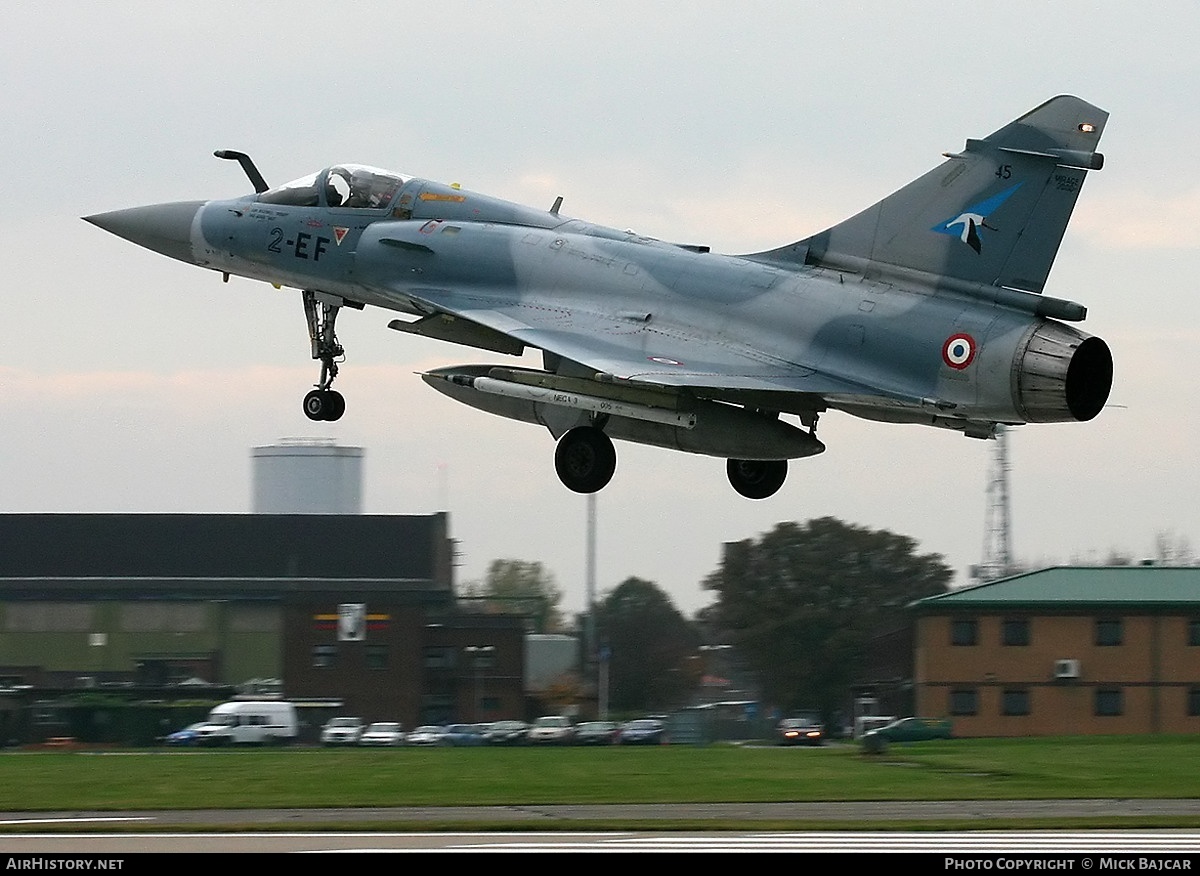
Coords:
pixel 993 214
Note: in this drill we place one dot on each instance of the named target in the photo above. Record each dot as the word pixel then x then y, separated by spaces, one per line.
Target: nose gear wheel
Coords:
pixel 324 404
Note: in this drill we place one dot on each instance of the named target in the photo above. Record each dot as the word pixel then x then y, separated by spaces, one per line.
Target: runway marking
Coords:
pixel 77 820
pixel 869 843
pixel 926 843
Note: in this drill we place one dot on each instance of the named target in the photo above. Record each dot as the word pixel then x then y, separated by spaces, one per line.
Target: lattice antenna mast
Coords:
pixel 997 536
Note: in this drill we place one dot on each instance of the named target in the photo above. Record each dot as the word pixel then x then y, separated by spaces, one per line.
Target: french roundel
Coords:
pixel 959 351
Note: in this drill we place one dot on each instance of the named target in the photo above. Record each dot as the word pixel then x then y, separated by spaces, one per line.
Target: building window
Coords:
pixel 1194 632
pixel 1015 631
pixel 439 657
pixel 377 656
pixel 964 701
pixel 1015 701
pixel 1108 631
pixel 437 709
pixel 1193 702
pixel 480 656
pixel 1108 702
pixel 964 631
pixel 323 656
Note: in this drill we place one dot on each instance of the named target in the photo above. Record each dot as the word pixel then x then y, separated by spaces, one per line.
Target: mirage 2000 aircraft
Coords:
pixel 925 308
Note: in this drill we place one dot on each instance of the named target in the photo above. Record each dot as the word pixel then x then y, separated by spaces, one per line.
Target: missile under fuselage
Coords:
pixel 630 413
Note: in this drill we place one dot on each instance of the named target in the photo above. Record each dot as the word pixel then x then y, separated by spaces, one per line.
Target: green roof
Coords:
pixel 1157 587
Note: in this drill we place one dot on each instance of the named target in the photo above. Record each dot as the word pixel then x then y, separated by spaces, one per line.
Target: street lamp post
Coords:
pixel 478 653
pixel 605 653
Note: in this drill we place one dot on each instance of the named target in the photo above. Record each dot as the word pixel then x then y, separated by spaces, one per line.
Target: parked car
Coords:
pixel 427 734
pixel 596 733
pixel 506 733
pixel 799 731
pixel 383 733
pixel 643 731
pixel 342 731
pixel 189 735
pixel 914 730
pixel 465 734
pixel 551 730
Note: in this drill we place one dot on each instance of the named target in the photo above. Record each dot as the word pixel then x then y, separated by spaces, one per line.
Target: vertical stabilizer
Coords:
pixel 993 214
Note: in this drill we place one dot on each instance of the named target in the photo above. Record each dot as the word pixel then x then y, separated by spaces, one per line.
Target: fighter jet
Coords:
pixel 927 307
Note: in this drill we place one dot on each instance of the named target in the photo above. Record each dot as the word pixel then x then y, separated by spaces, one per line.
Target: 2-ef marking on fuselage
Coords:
pixel 302 246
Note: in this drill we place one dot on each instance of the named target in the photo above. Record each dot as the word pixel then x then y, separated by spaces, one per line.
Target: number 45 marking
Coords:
pixel 1004 171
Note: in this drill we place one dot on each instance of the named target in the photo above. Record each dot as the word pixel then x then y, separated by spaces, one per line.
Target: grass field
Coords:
pixel 961 769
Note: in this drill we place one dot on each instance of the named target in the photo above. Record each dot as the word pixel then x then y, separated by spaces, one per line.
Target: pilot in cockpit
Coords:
pixel 337 187
pixel 359 192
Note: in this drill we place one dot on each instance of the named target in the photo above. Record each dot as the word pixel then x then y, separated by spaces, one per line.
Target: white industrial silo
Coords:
pixel 307 476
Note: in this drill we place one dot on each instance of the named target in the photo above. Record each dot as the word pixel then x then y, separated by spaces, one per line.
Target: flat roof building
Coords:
pixel 357 610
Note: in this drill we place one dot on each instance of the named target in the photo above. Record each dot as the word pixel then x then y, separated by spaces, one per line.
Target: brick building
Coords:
pixel 1082 650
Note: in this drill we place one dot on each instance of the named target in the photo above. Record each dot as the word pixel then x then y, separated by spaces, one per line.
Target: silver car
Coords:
pixel 427 734
pixel 552 730
pixel 342 731
pixel 383 733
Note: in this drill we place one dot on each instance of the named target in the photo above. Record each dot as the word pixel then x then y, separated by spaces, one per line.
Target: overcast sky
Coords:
pixel 133 383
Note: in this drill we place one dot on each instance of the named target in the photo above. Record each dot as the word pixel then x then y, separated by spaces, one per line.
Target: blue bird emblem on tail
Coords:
pixel 966 225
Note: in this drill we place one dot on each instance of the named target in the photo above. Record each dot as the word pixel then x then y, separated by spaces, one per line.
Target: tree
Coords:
pixel 518 585
pixel 1172 550
pixel 804 602
pixel 650 644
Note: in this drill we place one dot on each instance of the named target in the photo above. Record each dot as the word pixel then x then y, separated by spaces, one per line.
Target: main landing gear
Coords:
pixel 760 478
pixel 320 310
pixel 757 478
pixel 585 459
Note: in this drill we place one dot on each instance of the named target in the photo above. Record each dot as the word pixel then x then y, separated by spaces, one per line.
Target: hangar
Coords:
pixel 1069 650
pixel 349 613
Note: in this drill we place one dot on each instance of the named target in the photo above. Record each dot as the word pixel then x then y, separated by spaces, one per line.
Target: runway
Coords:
pixel 126 851
pixel 547 829
pixel 529 816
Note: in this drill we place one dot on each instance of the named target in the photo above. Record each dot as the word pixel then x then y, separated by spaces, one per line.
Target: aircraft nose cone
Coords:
pixel 164 228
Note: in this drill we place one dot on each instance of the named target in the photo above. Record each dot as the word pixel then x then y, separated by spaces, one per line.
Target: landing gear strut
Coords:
pixel 757 478
pixel 320 311
pixel 585 459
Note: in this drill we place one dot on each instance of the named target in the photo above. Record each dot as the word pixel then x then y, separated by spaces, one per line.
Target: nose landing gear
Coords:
pixel 320 311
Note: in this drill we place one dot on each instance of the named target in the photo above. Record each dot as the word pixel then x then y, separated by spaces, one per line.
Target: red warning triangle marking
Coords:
pixel 339 233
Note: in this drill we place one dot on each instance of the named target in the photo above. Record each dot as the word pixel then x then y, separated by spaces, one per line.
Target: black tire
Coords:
pixel 757 478
pixel 585 459
pixel 335 405
pixel 315 405
pixel 324 404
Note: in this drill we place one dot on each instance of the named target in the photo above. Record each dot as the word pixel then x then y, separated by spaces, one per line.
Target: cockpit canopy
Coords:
pixel 352 186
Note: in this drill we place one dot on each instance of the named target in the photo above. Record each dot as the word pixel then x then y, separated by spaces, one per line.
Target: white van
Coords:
pixel 245 722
